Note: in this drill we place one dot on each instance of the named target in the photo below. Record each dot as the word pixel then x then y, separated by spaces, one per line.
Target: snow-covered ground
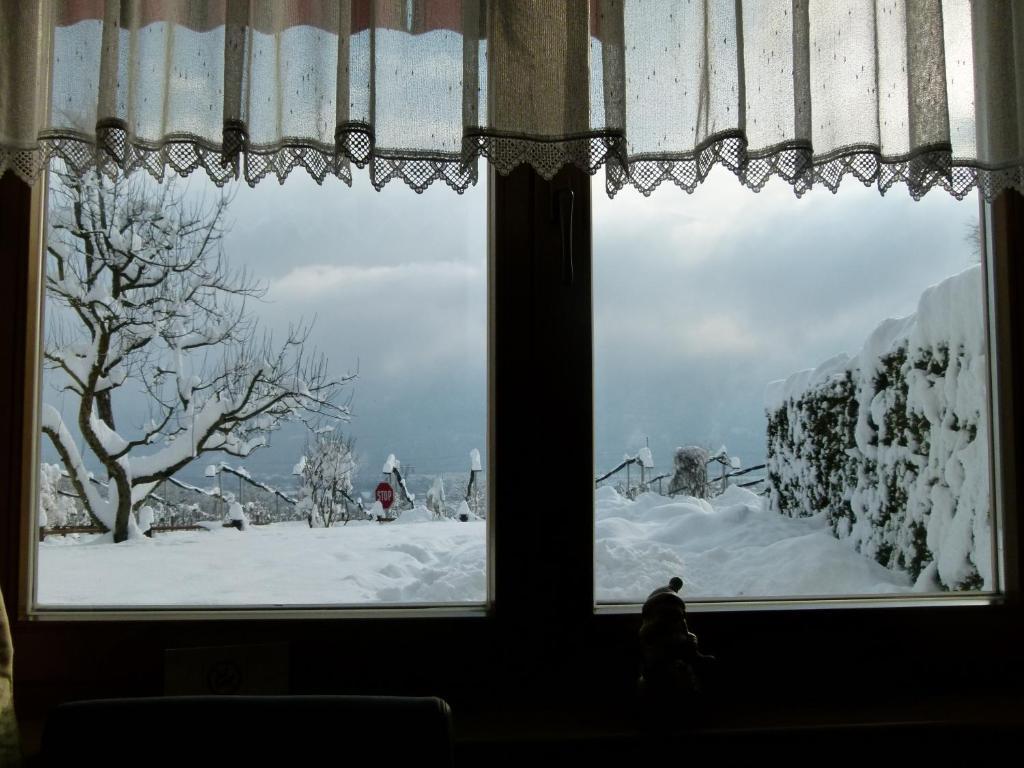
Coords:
pixel 732 546
pixel 284 563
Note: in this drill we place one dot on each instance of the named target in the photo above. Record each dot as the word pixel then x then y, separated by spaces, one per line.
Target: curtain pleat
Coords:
pixel 926 93
pixel 10 747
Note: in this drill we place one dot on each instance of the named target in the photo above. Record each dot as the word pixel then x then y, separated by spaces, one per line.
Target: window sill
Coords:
pixel 270 613
pixel 740 605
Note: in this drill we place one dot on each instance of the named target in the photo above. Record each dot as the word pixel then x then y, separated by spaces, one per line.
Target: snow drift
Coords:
pixel 731 546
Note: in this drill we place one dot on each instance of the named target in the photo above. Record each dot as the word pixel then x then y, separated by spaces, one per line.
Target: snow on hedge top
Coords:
pixel 779 391
pixel 947 313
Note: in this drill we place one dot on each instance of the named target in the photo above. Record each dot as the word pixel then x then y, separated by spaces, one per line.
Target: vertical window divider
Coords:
pixel 1002 246
pixel 21 211
pixel 541 420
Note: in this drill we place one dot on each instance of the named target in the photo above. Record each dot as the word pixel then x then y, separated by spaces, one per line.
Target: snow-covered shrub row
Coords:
pixel 891 445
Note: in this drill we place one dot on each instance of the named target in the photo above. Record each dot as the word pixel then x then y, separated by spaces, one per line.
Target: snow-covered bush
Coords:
pixel 55 509
pixel 465 514
pixel 236 516
pixel 146 516
pixel 326 471
pixel 436 501
pixel 376 511
pixel 690 477
pixel 257 512
pixel 892 444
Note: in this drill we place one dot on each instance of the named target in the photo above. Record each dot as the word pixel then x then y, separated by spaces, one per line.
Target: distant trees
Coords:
pixel 141 300
pixel 326 471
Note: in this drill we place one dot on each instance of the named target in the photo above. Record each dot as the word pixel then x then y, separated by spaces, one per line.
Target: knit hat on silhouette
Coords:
pixel 664 595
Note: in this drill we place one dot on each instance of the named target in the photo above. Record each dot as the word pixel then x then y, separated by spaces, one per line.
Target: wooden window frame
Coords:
pixel 541 656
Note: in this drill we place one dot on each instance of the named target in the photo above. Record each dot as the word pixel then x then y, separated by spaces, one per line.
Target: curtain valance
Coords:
pixel 926 92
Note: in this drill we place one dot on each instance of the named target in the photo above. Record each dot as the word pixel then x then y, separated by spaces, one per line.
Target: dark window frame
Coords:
pixel 541 654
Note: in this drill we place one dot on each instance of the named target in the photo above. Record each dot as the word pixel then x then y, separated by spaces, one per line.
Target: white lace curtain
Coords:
pixel 926 92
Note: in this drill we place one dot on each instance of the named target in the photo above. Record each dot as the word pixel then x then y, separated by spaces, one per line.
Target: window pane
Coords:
pixel 270 396
pixel 794 393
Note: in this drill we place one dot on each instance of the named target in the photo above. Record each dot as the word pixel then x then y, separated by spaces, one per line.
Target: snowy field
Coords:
pixel 730 547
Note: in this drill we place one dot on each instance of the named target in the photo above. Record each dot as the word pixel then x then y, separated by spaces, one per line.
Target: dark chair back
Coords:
pixel 244 731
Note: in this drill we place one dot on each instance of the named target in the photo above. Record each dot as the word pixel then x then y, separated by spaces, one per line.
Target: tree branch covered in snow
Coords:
pixel 142 298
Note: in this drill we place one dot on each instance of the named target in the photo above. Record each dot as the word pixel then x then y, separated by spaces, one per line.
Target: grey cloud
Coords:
pixel 699 302
pixel 777 284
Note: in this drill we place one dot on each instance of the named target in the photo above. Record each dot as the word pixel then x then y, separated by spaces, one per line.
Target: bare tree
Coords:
pixel 142 301
pixel 326 470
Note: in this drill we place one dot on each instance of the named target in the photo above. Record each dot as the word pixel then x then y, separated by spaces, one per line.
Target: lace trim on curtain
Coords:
pixel 920 171
pixel 505 151
pixel 235 158
pixel 114 152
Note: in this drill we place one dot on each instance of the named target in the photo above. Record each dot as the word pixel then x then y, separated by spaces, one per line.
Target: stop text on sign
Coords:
pixel 385 495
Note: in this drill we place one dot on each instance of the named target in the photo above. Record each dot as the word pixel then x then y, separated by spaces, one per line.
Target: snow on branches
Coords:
pixel 141 298
pixel 326 471
pixel 55 508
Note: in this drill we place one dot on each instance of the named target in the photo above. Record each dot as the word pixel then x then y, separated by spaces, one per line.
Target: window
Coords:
pixel 815 370
pixel 557 329
pixel 291 381
pixel 544 641
pixel 692 363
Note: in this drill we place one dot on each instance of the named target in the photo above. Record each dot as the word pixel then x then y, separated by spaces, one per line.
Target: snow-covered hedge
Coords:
pixel 891 445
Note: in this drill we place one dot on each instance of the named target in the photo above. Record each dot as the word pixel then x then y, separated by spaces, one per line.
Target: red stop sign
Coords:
pixel 385 495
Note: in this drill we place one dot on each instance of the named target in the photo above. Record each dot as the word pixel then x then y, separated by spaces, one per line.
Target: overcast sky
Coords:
pixel 395 283
pixel 699 300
